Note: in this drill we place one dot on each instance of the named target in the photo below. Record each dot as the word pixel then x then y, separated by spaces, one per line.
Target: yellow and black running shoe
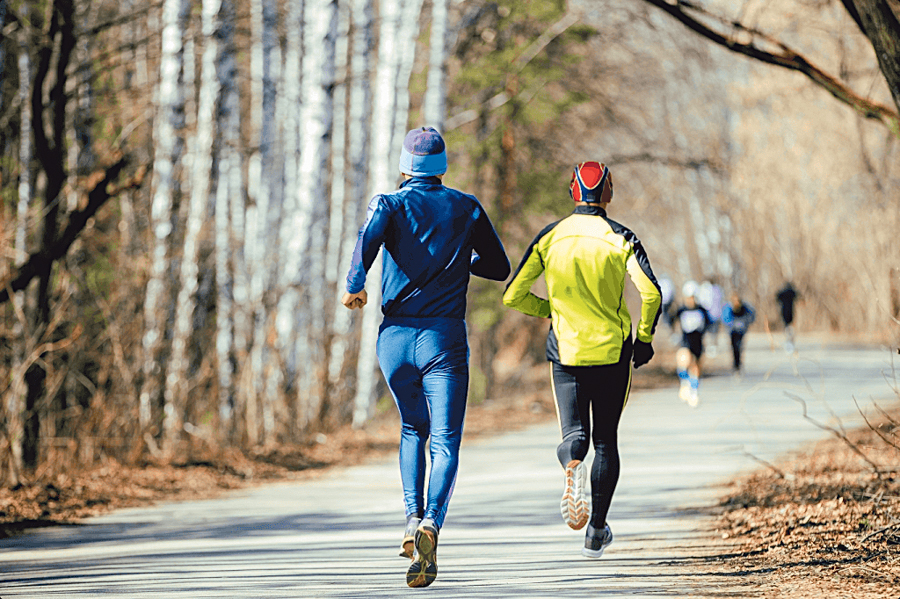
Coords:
pixel 423 569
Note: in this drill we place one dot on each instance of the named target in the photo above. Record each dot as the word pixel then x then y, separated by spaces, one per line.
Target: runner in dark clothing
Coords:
pixel 693 320
pixel 434 237
pixel 786 297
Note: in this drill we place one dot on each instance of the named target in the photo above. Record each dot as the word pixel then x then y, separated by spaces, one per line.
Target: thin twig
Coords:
pixel 836 432
pixel 874 428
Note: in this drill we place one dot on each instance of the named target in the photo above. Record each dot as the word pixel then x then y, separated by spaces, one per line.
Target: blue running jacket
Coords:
pixel 426 263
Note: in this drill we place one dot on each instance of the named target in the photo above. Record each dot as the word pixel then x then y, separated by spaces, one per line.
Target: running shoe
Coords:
pixel 693 399
pixel 423 569
pixel 685 391
pixel 407 546
pixel 574 506
pixel 595 544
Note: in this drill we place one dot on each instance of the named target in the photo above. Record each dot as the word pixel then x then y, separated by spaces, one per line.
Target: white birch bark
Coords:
pixel 380 169
pixel 285 326
pixel 337 210
pixel 359 112
pixel 320 20
pixel 201 172
pixel 338 150
pixel 168 146
pixel 229 211
pixel 258 405
pixel 408 34
pixel 15 398
pixel 434 107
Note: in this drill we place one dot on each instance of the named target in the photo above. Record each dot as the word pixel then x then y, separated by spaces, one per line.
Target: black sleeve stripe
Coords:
pixel 641 256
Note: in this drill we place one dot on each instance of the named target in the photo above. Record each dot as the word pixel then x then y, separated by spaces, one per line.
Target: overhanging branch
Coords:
pixel 782 56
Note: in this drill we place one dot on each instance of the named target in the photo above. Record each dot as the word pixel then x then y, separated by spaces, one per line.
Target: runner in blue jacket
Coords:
pixel 434 237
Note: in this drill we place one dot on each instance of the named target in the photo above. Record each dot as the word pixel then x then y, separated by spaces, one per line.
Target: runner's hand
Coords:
pixel 643 352
pixel 355 300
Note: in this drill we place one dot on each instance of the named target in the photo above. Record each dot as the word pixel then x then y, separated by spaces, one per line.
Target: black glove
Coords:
pixel 643 351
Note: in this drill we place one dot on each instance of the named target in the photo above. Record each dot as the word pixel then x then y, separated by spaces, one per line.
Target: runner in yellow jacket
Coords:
pixel 584 259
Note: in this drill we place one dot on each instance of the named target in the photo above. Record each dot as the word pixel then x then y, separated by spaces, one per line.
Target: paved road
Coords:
pixel 337 537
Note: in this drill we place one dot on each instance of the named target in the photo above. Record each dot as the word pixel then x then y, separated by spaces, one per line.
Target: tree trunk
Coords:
pixel 169 142
pixel 228 223
pixel 51 153
pixel 316 121
pixel 879 20
pixel 201 184
pixel 259 403
pixel 435 104
pixel 360 108
pixel 337 210
pixel 16 402
pixel 396 54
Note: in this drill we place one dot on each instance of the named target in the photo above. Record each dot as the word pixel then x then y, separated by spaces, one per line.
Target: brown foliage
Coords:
pixel 825 524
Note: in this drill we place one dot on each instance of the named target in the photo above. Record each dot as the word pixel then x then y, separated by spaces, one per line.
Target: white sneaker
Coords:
pixel 685 391
pixel 575 509
pixel 693 397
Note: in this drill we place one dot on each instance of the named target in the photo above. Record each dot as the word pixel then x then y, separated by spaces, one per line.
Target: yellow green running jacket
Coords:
pixel 584 258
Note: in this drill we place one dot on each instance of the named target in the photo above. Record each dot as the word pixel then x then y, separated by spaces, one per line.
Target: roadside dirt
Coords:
pixel 825 524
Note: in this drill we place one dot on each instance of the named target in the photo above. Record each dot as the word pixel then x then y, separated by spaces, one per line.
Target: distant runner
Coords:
pixel 693 320
pixel 786 297
pixel 584 258
pixel 737 316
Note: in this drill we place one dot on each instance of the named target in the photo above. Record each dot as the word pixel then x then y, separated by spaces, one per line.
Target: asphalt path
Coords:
pixel 338 536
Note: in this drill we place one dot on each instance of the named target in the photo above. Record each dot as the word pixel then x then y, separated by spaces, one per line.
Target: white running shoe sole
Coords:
pixel 575 509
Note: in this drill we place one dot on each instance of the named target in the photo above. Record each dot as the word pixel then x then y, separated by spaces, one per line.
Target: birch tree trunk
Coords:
pixel 16 399
pixel 380 181
pixel 259 406
pixel 408 34
pixel 201 183
pixel 168 139
pixel 286 281
pixel 360 107
pixel 320 20
pixel 434 107
pixel 337 210
pixel 228 222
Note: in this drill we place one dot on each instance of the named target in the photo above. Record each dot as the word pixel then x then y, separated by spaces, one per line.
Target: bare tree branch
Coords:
pixel 836 432
pixel 874 428
pixel 782 56
pixel 21 277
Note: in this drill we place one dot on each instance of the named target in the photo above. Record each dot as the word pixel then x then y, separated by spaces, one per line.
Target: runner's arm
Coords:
pixel 489 260
pixel 518 292
pixel 638 266
pixel 371 236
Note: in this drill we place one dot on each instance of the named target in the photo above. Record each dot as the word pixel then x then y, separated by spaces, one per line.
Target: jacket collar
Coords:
pixel 586 208
pixel 421 181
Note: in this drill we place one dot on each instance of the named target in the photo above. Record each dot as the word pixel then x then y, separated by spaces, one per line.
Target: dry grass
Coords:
pixel 826 524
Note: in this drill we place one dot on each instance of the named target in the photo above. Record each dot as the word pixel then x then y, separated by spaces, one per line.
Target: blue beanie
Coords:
pixel 424 153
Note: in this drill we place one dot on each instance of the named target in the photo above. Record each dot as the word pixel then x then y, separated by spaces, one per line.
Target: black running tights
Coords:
pixel 603 391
